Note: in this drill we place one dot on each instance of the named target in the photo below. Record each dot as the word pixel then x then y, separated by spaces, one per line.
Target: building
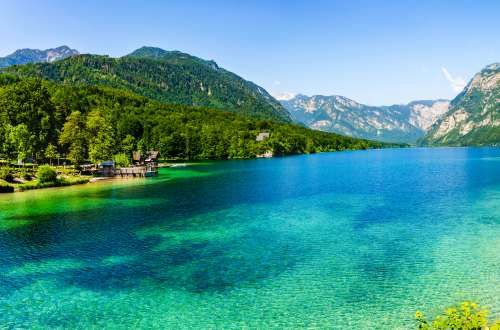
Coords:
pixel 262 136
pixel 106 168
pixel 148 161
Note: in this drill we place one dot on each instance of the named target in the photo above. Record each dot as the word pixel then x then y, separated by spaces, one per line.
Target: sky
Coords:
pixel 375 52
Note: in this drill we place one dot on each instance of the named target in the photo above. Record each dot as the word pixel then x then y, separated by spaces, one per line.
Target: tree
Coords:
pixel 121 160
pixel 128 145
pixel 27 102
pixel 101 137
pixel 74 134
pixel 51 152
pixel 20 140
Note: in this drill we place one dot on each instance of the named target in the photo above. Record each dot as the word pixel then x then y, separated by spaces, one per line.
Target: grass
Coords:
pixel 60 182
pixel 30 185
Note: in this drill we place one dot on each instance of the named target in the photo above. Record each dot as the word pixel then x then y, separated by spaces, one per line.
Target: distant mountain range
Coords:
pixel 474 115
pixel 24 56
pixel 166 76
pixel 396 123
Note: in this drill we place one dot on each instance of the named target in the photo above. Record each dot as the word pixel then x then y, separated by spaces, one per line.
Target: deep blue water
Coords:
pixel 356 239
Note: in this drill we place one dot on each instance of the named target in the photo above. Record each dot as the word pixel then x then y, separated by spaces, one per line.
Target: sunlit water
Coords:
pixel 339 240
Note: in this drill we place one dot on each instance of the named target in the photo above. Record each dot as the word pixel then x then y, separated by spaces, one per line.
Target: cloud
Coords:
pixel 283 96
pixel 277 83
pixel 457 83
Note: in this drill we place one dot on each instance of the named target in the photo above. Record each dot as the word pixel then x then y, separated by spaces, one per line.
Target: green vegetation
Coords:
pixel 467 316
pixel 167 76
pixel 122 160
pixel 46 174
pixel 6 174
pixel 21 178
pixel 6 188
pixel 43 120
pixel 61 182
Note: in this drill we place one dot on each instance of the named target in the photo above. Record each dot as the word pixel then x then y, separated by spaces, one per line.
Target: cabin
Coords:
pixel 136 157
pixel 151 163
pixel 148 163
pixel 106 168
pixel 262 136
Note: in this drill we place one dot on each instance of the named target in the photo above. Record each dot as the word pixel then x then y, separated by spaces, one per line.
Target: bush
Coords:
pixel 26 175
pixel 5 188
pixel 468 315
pixel 121 160
pixel 45 174
pixel 6 174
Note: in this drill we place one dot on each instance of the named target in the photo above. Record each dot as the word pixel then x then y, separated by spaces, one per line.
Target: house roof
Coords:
pixel 153 155
pixel 107 163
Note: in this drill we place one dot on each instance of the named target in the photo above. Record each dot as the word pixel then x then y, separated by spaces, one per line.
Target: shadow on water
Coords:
pixel 211 265
pixel 94 235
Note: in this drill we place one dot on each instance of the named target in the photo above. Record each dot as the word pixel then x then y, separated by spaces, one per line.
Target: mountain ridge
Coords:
pixel 166 76
pixel 395 123
pixel 28 55
pixel 474 115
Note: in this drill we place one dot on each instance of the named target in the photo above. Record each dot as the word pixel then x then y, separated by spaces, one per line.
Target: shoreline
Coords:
pixel 78 180
pixel 177 163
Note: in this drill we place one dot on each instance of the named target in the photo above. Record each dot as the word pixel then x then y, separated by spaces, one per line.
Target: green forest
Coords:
pixel 166 76
pixel 42 121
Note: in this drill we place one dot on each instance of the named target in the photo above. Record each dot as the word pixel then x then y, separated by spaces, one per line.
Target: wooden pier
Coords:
pixel 136 171
pixel 143 166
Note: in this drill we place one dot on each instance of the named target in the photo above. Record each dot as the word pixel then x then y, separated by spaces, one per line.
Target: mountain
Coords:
pixel 166 76
pixel 474 115
pixel 395 123
pixel 25 56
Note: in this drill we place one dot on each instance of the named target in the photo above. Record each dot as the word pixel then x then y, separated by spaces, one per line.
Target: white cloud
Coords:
pixel 283 96
pixel 277 83
pixel 456 83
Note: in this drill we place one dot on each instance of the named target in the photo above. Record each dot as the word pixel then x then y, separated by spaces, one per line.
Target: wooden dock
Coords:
pixel 136 171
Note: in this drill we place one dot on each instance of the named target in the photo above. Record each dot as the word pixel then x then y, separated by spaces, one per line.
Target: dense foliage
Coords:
pixel 5 188
pixel 166 76
pixel 6 174
pixel 46 174
pixel 467 316
pixel 41 120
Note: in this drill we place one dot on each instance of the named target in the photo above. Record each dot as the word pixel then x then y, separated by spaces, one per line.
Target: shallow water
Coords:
pixel 336 240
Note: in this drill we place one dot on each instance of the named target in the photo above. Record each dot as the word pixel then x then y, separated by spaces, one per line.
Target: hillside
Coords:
pixel 397 123
pixel 166 76
pixel 474 115
pixel 25 56
pixel 98 123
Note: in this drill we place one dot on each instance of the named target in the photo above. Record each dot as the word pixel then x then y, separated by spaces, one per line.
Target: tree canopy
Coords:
pixel 42 119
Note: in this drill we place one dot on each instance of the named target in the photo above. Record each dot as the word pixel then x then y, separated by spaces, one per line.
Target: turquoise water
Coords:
pixel 336 240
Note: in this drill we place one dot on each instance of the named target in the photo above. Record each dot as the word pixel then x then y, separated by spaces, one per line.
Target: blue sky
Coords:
pixel 375 52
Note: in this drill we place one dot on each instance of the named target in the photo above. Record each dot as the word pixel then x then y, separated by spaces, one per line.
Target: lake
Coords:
pixel 347 240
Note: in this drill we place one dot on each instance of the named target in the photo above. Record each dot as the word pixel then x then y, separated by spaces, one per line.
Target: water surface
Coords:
pixel 336 240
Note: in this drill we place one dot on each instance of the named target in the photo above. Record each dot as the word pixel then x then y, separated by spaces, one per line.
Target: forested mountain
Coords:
pixel 24 56
pixel 166 76
pixel 40 119
pixel 397 123
pixel 474 115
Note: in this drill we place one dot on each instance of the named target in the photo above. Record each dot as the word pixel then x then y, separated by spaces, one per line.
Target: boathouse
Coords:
pixel 106 168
